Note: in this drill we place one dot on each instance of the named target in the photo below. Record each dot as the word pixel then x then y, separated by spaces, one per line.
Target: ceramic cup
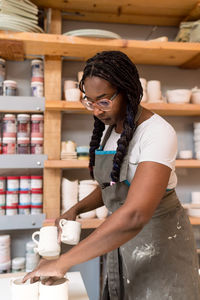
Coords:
pixel 72 95
pixel 70 84
pixel 185 154
pixel 101 212
pixel 71 231
pixel 24 291
pixel 154 90
pixel 58 290
pixel 47 245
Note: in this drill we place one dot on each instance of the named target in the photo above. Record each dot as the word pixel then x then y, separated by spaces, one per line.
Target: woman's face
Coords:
pixel 97 88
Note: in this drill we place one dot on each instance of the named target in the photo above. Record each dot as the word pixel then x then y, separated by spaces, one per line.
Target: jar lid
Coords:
pixel 5 266
pixel 36 134
pixel 9 116
pixel 36 191
pixel 36 206
pixel 2 192
pixel 12 177
pixel 18 262
pixel 11 207
pixel 12 192
pixel 30 245
pixel 23 116
pixel 22 140
pixel 2 177
pixel 20 206
pixel 10 83
pixel 25 177
pixel 36 177
pixel 2 207
pixel 36 61
pixel 37 116
pixel 37 82
pixel 24 192
pixel 4 238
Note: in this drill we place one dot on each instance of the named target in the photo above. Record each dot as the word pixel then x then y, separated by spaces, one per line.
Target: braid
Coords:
pixel 116 68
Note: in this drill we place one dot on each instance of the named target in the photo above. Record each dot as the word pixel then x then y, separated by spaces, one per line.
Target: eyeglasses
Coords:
pixel 103 104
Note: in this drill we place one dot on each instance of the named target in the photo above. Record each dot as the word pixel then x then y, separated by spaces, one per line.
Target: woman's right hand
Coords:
pixel 68 215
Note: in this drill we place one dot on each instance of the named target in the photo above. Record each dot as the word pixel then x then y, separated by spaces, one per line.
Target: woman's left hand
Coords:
pixel 46 268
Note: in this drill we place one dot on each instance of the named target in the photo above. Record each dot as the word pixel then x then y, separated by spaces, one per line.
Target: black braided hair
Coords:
pixel 116 68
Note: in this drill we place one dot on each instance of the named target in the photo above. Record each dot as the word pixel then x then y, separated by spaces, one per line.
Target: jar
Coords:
pixel 25 183
pixel 9 145
pixel 0 146
pixel 30 247
pixel 36 197
pixel 5 267
pixel 37 124
pixel 13 183
pixel 24 209
pixel 37 89
pixel 2 198
pixel 2 210
pixel 2 183
pixel 36 145
pixel 37 68
pixel 2 69
pixel 18 264
pixel 36 209
pixel 23 145
pixel 36 183
pixel 9 88
pixel 4 241
pixel 11 210
pixel 9 125
pixel 32 260
pixel 12 198
pixel 23 125
pixel 24 197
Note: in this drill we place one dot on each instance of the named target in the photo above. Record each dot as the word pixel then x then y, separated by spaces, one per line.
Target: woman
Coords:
pixel 147 236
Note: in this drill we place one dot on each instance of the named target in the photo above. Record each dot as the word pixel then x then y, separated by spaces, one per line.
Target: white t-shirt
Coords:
pixel 154 140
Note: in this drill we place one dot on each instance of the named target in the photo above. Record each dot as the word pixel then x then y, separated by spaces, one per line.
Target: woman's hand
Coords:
pixel 68 215
pixel 51 269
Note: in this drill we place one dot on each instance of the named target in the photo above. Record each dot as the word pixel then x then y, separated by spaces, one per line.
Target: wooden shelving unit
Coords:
pixel 165 12
pixel 164 109
pixel 142 52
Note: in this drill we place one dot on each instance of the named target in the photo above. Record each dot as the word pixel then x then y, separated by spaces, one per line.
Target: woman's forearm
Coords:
pixel 110 235
pixel 92 201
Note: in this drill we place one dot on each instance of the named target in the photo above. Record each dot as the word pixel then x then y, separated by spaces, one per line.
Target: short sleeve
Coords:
pixel 159 144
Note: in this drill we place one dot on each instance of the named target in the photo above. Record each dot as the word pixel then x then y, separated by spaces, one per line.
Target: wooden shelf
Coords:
pixel 83 164
pixel 164 109
pixel 142 52
pixel 165 12
pixel 194 220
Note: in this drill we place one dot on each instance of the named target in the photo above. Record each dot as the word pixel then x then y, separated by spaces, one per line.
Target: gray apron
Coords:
pixel 160 262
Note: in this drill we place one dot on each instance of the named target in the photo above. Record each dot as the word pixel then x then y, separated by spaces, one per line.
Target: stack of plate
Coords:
pixel 19 15
pixel 68 155
pixel 93 33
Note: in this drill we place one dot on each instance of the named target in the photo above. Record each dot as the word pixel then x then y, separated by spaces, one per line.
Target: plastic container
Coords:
pixel 23 145
pixel 32 260
pixel 2 198
pixel 11 210
pixel 12 198
pixel 9 145
pixel 23 125
pixel 36 197
pixel 36 183
pixel 2 183
pixel 9 125
pixel 24 209
pixel 5 267
pixel 37 68
pixel 25 183
pixel 2 69
pixel 24 197
pixel 37 124
pixel 37 145
pixel 18 264
pixel 9 88
pixel 36 209
pixel 13 183
pixel 30 247
pixel 2 210
pixel 37 89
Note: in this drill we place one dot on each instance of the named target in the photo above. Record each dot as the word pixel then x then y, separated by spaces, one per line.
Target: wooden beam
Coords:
pixel 194 14
pixel 56 22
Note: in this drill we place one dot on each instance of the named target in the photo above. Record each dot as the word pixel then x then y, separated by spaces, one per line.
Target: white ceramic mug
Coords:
pixel 154 90
pixel 101 212
pixel 47 245
pixel 70 84
pixel 71 231
pixel 72 95
pixel 58 290
pixel 24 291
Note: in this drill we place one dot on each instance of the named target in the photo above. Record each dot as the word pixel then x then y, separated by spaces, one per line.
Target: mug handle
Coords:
pixel 33 237
pixel 62 223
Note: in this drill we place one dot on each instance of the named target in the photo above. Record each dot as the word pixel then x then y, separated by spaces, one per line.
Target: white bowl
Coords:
pixel 185 154
pixel 178 96
pixel 195 98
